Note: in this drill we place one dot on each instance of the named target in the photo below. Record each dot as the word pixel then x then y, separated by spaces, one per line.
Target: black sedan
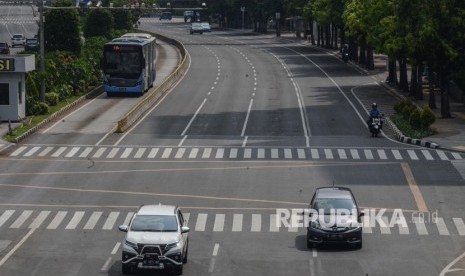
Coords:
pixel 334 218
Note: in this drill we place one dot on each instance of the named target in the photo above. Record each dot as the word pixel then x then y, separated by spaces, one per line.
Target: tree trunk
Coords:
pixel 432 97
pixel 370 58
pixel 419 92
pixel 311 31
pixel 318 40
pixel 403 79
pixel 413 80
pixel 363 57
pixel 328 36
pixel 392 72
pixel 445 105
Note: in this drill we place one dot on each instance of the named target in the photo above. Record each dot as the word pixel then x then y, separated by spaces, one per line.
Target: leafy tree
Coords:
pixel 61 30
pixel 123 19
pixel 99 23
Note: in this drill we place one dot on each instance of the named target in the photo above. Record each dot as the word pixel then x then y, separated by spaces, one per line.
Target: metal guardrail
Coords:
pixel 147 102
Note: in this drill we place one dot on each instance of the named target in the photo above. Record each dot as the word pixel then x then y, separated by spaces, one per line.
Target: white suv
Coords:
pixel 18 39
pixel 157 238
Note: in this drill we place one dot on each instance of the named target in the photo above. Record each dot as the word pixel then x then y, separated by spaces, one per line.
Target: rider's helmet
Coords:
pixel 374 105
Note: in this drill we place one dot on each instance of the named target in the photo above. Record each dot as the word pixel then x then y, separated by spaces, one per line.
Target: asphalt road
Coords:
pixel 256 124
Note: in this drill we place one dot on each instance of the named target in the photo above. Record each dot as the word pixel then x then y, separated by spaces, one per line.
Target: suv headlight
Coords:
pixel 172 245
pixel 315 224
pixel 131 244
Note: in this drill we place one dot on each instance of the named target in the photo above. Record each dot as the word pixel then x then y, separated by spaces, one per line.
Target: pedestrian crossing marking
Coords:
pixel 234 153
pixel 217 222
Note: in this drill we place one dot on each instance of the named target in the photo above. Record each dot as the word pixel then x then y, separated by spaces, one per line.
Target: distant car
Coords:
pixel 324 229
pixel 188 16
pixel 18 39
pixel 32 44
pixel 206 27
pixel 196 28
pixel 165 16
pixel 4 48
pixel 156 238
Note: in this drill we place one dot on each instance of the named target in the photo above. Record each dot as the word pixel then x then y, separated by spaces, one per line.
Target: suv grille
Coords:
pixel 151 248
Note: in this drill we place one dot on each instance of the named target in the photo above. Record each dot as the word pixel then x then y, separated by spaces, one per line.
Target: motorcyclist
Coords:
pixel 374 113
pixel 345 52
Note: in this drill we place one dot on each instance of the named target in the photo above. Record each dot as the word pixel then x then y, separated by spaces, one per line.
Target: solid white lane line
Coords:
pixel 244 142
pixel 244 127
pixel 17 246
pixel 115 249
pixel 193 117
pixel 182 140
pixel 106 265
pixel 215 250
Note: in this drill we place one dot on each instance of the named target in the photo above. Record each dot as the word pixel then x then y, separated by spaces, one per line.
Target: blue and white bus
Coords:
pixel 128 64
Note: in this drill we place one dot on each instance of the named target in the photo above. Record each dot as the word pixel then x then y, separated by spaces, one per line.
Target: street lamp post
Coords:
pixel 42 51
pixel 278 31
pixel 242 10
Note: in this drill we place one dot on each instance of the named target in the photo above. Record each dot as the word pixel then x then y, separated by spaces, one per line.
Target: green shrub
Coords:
pixel 64 91
pixel 407 111
pixel 31 87
pixel 52 98
pixel 42 108
pixel 427 117
pixel 415 119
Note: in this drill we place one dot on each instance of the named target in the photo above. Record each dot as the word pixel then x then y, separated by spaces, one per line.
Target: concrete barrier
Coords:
pixel 149 100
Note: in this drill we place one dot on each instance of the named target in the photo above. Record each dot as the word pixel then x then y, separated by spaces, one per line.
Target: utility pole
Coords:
pixel 42 51
pixel 242 10
pixel 278 31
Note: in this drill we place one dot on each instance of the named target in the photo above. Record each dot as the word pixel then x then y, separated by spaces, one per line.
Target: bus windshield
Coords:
pixel 121 61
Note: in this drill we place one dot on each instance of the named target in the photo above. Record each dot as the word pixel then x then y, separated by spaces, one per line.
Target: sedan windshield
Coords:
pixel 154 223
pixel 332 205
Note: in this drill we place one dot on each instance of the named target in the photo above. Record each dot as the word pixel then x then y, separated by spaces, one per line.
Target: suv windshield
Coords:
pixel 154 223
pixel 333 204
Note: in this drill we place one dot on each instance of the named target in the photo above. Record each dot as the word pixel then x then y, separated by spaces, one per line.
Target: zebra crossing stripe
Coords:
pixel 153 153
pixel 18 151
pixel 368 154
pixel 274 223
pixel 460 226
pixel 261 153
pixel 193 153
pixel 113 153
pixel 126 153
pixel 247 153
pixel 21 219
pixel 366 227
pixel 219 153
pixel 427 155
pixel 140 152
pixel 85 152
pixel 354 154
pixel 31 151
pixel 237 222
pixel 314 153
pixel 93 220
pixel 110 222
pixel 59 151
pixel 75 220
pixel 383 227
pixel 166 153
pixel 256 223
pixel 403 228
pixel 382 154
pixel 233 153
pixel 274 153
pixel 206 153
pixel 46 151
pixel 57 220
pixel 397 154
pixel 342 153
pixel 442 228
pixel 219 223
pixel 420 225
pixel 301 153
pixel 72 152
pixel 180 153
pixel 201 222
pixel 457 156
pixel 412 154
pixel 287 153
pixel 99 153
pixel 39 219
pixel 127 220
pixel 328 154
pixel 5 216
pixel 442 155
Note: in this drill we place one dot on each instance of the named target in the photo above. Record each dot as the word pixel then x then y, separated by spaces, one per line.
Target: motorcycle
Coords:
pixel 375 126
pixel 345 57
